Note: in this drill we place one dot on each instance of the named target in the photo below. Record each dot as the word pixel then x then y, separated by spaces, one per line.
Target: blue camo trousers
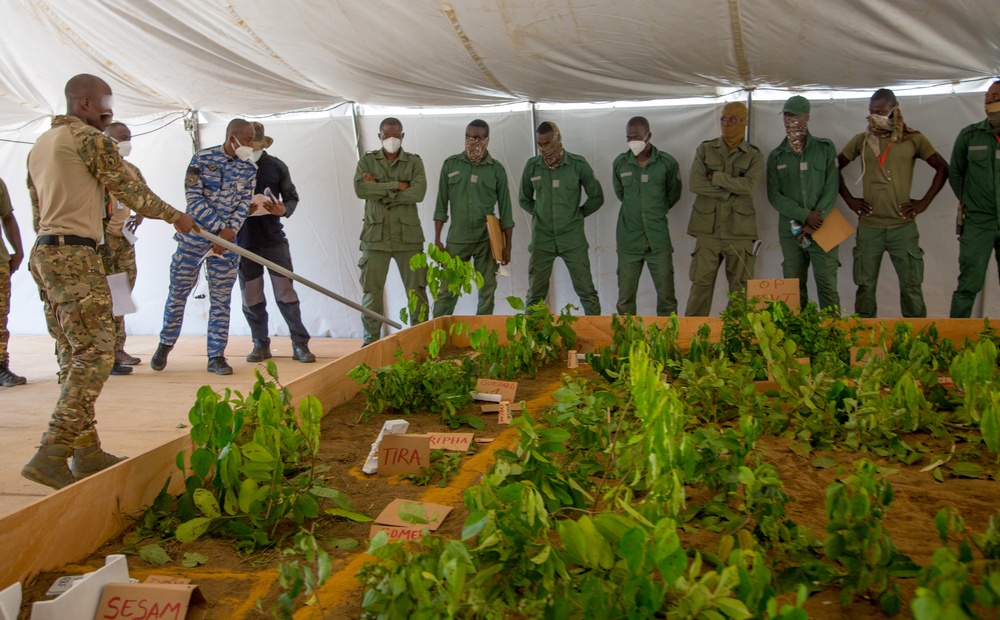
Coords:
pixel 184 268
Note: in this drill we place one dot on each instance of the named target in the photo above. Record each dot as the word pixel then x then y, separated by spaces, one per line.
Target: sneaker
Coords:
pixel 123 358
pixel 301 353
pixel 261 351
pixel 8 378
pixel 121 369
pixel 219 366
pixel 159 360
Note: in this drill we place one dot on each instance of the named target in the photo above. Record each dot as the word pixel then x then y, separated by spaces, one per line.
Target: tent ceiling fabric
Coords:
pixel 259 57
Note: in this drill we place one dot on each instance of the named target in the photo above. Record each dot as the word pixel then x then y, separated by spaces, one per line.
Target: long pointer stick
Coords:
pixel 288 274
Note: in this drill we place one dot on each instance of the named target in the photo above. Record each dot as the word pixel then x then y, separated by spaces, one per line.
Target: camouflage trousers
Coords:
pixel 4 306
pixel 77 304
pixel 118 256
pixel 184 269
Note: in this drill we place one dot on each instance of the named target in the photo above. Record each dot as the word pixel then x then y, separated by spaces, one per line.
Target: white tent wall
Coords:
pixel 321 153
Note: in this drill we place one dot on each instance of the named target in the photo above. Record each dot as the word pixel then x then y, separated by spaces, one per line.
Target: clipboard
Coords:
pixel 834 231
pixel 496 236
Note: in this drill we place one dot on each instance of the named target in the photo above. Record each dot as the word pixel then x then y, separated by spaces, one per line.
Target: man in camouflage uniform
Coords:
pixel 69 168
pixel 391 181
pixel 219 185
pixel 8 265
pixel 117 253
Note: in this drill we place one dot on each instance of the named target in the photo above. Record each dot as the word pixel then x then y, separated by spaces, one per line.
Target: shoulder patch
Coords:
pixel 193 172
pixel 212 167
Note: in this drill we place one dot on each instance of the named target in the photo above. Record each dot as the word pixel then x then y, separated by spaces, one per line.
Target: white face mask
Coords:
pixel 244 153
pixel 256 156
pixel 637 146
pixel 391 145
pixel 125 148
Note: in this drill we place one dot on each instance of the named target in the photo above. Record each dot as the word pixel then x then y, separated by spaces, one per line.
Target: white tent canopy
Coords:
pixel 428 58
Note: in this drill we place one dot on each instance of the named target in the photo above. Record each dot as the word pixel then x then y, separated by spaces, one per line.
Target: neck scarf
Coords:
pixel 475 150
pixel 796 129
pixel 892 127
pixel 552 152
pixel 734 134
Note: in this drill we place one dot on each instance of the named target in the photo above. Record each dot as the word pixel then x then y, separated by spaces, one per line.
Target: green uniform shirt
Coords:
pixel 391 220
pixel 5 210
pixel 886 187
pixel 723 207
pixel 552 197
pixel 472 190
pixel 975 174
pixel 799 184
pixel 647 192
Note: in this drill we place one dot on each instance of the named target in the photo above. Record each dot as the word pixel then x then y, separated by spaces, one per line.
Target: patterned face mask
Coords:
pixel 993 113
pixel 552 152
pixel 796 128
pixel 475 149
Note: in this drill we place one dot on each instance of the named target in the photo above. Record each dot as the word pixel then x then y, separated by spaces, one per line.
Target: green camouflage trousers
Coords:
pixel 77 306
pixel 118 255
pixel 4 306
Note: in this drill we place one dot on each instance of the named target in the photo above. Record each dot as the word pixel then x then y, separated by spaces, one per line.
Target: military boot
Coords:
pixel 159 359
pixel 123 358
pixel 301 353
pixel 261 351
pixel 49 467
pixel 89 458
pixel 7 378
pixel 219 365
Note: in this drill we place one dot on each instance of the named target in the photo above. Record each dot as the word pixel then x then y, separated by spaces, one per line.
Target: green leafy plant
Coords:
pixel 444 273
pixel 534 338
pixel 443 466
pixel 304 568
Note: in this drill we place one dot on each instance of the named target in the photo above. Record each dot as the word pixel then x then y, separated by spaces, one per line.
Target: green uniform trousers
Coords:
pixel 825 264
pixel 661 269
pixel 374 266
pixel 974 249
pixel 482 256
pixel 118 255
pixel 578 263
pixel 709 253
pixel 903 246
pixel 77 304
pixel 4 307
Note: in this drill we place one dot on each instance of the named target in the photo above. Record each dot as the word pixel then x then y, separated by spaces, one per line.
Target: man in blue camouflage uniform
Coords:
pixel 69 168
pixel 219 186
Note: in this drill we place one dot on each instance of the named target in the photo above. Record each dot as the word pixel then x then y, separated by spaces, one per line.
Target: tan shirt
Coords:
pixel 68 169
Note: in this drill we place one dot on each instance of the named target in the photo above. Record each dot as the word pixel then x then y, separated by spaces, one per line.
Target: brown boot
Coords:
pixel 90 458
pixel 48 466
pixel 8 378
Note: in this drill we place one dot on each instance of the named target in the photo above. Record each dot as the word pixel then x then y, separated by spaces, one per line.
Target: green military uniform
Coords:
pixel 391 229
pixel 886 187
pixel 552 197
pixel 472 190
pixel 723 221
pixel 117 254
pixel 5 209
pixel 647 191
pixel 797 185
pixel 974 175
pixel 69 168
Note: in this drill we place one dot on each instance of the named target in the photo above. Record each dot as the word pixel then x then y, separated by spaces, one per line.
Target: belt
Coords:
pixel 66 240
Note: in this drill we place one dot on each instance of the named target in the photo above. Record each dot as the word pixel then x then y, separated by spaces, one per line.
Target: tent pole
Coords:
pixel 191 126
pixel 749 113
pixel 534 123
pixel 357 130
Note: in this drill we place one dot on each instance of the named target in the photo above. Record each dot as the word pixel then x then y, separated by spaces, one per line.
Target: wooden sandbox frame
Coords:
pixel 72 523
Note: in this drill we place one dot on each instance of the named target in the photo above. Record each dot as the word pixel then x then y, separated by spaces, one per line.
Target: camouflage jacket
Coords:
pixel 218 189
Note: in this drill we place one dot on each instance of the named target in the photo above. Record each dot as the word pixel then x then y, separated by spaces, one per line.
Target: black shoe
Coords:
pixel 219 366
pixel 121 369
pixel 9 379
pixel 123 358
pixel 159 360
pixel 301 353
pixel 261 351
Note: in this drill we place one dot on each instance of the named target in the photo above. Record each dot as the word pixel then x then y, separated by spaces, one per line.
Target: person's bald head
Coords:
pixel 88 98
pixel 882 102
pixel 238 133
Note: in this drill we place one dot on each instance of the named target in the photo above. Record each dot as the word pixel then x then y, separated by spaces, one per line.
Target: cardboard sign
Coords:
pixel 456 442
pixel 135 601
pixel 397 532
pixel 496 236
pixel 506 389
pixel 585 345
pixel 412 514
pixel 504 413
pixel 495 407
pixel 775 289
pixel 834 231
pixel 389 427
pixel 403 454
pixel 167 579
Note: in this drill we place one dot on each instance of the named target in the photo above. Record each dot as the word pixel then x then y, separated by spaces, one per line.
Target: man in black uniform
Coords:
pixel 274 197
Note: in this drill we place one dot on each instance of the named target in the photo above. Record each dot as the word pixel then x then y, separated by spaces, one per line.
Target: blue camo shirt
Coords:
pixel 218 190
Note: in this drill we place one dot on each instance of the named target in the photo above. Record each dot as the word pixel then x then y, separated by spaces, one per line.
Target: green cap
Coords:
pixel 796 105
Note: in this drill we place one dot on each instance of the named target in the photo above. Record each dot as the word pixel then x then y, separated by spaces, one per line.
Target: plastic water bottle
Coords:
pixel 805 241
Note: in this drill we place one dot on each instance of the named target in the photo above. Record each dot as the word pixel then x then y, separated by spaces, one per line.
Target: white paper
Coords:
pixel 489 398
pixel 128 234
pixel 257 205
pixel 389 427
pixel 121 294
